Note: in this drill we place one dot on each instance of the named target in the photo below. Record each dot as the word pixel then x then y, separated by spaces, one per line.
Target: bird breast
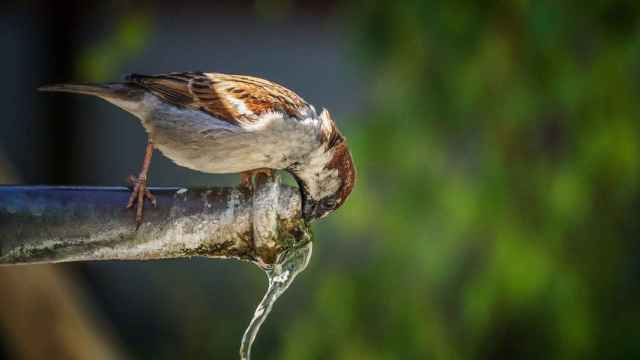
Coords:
pixel 198 141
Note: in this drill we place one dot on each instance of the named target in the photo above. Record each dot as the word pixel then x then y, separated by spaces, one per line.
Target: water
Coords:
pixel 288 265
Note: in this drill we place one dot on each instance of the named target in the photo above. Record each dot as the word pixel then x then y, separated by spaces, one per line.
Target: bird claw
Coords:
pixel 247 177
pixel 139 193
pixel 246 181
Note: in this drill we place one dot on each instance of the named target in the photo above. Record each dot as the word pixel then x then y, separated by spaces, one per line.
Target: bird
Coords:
pixel 222 123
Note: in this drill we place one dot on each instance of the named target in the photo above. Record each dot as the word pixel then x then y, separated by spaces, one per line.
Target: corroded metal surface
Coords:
pixel 56 224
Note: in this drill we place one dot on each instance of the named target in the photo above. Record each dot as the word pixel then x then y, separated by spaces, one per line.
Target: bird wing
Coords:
pixel 237 99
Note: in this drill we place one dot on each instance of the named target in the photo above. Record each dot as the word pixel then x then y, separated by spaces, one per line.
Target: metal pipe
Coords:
pixel 44 224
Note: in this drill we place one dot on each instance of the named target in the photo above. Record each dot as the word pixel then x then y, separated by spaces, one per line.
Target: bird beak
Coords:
pixel 309 209
pixel 309 206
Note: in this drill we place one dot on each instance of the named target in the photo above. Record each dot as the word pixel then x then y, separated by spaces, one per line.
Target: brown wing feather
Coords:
pixel 233 98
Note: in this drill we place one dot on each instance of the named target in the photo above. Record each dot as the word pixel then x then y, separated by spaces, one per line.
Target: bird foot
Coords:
pixel 139 193
pixel 246 177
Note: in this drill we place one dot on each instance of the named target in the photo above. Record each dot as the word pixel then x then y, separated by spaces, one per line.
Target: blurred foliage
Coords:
pixel 498 196
pixel 103 60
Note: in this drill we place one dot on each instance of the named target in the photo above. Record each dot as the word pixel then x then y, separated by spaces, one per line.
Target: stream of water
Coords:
pixel 288 265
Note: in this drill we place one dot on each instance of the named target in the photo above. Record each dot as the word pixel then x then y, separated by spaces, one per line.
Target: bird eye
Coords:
pixel 330 203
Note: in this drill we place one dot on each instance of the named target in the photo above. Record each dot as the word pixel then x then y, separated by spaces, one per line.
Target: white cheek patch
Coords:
pixel 329 183
pixel 320 181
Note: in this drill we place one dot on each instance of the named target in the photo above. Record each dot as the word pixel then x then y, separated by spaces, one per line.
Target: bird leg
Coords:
pixel 246 177
pixel 140 191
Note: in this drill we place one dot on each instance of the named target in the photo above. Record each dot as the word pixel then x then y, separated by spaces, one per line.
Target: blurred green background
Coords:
pixel 498 154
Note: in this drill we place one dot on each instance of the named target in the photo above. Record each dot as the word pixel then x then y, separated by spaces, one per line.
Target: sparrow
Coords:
pixel 219 123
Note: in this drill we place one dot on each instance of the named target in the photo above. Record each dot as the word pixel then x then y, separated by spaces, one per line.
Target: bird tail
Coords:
pixel 109 91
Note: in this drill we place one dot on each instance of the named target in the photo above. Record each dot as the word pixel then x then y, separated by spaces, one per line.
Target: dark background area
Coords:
pixel 497 145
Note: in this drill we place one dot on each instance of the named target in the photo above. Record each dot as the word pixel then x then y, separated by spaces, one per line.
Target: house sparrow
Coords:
pixel 219 123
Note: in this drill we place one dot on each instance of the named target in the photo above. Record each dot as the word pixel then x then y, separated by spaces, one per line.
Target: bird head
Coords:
pixel 327 176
